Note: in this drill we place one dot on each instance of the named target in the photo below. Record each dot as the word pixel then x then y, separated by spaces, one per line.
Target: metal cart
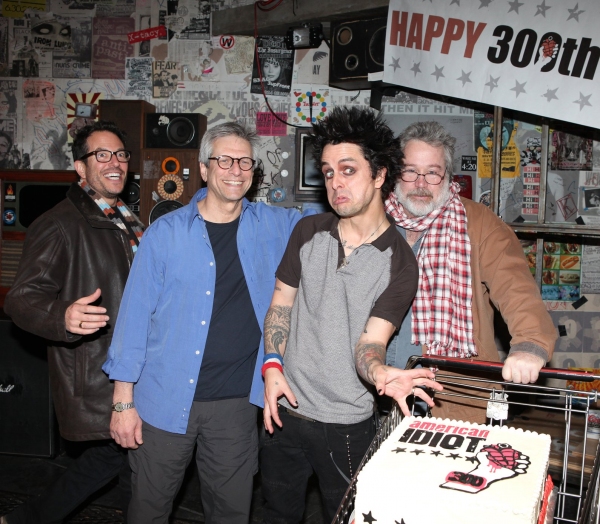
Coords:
pixel 574 464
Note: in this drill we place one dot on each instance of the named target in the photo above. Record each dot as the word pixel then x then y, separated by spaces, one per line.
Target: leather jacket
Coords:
pixel 69 252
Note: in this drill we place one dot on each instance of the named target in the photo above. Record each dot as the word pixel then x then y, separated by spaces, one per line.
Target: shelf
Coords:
pixel 556 229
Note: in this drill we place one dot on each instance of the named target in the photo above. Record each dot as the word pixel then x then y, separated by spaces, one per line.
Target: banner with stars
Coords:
pixel 537 56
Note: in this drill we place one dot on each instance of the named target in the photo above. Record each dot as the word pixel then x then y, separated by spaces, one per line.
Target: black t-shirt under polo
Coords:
pixel 234 334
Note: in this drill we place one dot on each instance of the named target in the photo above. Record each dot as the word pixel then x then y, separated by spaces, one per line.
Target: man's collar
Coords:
pixel 193 212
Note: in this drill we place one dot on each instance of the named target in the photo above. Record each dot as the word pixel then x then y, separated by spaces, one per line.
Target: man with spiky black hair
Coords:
pixel 342 289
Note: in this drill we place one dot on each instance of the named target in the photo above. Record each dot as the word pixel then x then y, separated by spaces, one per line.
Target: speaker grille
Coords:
pixel 357 49
pixel 174 130
pixel 12 250
pixel 181 131
pixel 28 425
pixel 377 46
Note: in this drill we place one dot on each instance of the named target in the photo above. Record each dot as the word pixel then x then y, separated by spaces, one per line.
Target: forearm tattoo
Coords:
pixel 277 329
pixel 367 357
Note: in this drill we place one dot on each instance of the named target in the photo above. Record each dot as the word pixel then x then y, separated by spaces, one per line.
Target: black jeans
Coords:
pixel 290 456
pixel 93 469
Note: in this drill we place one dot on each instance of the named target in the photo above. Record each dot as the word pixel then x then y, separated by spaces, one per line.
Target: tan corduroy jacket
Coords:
pixel 501 279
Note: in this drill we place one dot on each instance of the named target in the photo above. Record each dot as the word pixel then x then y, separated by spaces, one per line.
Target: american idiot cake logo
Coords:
pixel 493 462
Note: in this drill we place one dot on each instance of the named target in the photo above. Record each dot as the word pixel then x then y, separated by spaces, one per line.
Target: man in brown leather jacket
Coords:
pixel 68 288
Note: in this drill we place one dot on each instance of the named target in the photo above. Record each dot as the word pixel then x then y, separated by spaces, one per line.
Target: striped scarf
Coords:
pixel 442 318
pixel 119 216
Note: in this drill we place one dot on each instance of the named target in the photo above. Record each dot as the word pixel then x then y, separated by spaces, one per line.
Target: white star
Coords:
pixel 457 2
pixel 493 83
pixel 583 101
pixel 550 94
pixel 514 6
pixel 485 3
pixel 542 8
pixel 574 13
pixel 415 68
pixel 395 63
pixel 519 88
pixel 438 72
pixel 465 77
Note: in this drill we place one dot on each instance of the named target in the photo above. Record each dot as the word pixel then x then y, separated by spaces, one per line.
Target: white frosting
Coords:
pixel 433 470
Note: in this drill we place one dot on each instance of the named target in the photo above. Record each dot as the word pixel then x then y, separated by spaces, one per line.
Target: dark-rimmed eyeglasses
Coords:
pixel 103 156
pixel 432 177
pixel 225 162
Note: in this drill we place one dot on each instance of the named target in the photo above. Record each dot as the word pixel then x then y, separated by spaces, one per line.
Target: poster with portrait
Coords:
pixel 273 67
pixel 165 75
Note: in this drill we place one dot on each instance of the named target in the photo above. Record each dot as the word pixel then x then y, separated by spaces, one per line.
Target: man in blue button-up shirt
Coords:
pixel 189 336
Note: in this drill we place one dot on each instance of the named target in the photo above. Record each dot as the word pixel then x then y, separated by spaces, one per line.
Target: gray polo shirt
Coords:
pixel 331 309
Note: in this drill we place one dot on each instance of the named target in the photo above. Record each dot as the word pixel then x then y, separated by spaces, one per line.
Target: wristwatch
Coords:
pixel 122 406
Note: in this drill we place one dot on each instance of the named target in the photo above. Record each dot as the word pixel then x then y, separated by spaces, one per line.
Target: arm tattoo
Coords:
pixel 367 356
pixel 277 329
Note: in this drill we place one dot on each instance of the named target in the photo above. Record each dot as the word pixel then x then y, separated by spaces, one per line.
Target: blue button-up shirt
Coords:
pixel 163 320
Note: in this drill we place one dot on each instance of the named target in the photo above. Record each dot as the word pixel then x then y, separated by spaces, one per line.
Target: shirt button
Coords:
pixel 212 264
pixel 208 292
pixel 203 322
pixel 197 352
pixel 191 381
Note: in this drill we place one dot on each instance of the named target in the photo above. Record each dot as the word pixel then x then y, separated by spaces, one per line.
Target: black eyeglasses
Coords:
pixel 225 162
pixel 103 156
pixel 432 177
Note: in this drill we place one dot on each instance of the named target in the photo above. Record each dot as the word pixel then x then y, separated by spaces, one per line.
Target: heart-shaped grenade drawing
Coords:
pixel 496 462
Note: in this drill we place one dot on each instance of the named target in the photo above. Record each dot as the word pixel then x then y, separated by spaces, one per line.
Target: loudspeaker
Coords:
pixel 28 425
pixel 170 178
pixel 129 115
pixel 132 192
pixel 174 130
pixel 357 49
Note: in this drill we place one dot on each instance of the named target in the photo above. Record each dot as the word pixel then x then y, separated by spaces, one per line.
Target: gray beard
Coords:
pixel 419 210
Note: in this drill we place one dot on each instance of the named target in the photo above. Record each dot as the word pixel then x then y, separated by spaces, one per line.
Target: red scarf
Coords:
pixel 442 317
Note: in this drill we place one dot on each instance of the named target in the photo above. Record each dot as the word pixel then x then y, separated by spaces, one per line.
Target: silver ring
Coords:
pixel 80 327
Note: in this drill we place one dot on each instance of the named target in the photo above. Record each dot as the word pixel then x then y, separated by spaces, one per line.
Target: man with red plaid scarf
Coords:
pixel 470 263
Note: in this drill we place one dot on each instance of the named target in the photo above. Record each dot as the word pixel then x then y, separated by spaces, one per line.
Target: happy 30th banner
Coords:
pixel 537 56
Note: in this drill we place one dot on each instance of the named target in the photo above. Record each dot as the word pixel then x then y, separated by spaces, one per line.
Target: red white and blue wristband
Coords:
pixel 272 360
